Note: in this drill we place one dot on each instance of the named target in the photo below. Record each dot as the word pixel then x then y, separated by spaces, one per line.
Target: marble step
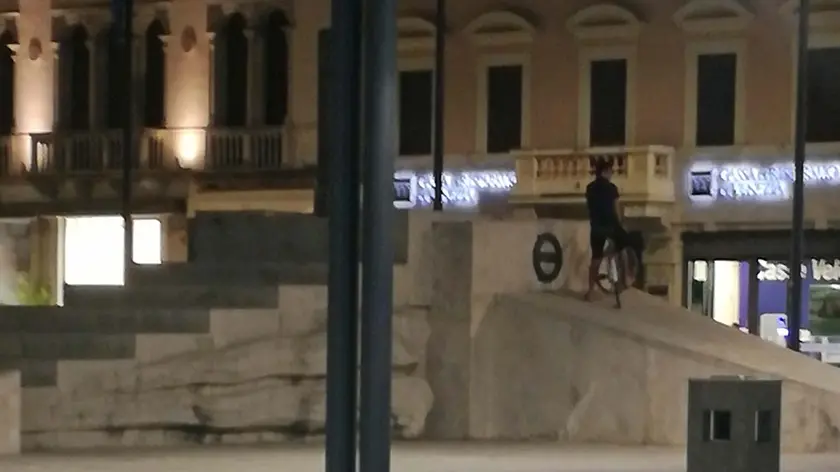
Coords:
pixel 214 275
pixel 54 319
pixel 171 296
pixel 78 346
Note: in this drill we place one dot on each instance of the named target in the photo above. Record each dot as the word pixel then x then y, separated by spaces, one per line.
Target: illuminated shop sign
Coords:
pixel 751 182
pixel 460 188
pixel 821 270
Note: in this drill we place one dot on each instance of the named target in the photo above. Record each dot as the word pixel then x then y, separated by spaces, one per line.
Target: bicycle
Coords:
pixel 612 274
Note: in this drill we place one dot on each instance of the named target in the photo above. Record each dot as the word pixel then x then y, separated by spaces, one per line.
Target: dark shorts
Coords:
pixel 598 237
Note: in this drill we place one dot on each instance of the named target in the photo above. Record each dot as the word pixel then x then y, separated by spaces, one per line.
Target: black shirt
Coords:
pixel 601 195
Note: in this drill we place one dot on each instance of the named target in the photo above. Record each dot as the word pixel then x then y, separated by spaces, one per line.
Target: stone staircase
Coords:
pixel 138 325
pixel 253 280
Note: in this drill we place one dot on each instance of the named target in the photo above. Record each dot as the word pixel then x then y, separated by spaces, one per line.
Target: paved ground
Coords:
pixel 406 458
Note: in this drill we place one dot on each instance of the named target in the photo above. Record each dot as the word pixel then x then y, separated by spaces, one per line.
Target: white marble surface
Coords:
pixel 415 457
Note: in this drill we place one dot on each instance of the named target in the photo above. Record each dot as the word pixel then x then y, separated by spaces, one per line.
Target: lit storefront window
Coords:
pixel 93 248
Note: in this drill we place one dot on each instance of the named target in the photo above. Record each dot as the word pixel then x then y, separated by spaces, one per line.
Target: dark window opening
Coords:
pixel 115 84
pixel 716 75
pixel 276 62
pixel 504 108
pixel 232 77
pixel 74 74
pixel 7 84
pixel 823 95
pixel 154 114
pixel 415 112
pixel 608 102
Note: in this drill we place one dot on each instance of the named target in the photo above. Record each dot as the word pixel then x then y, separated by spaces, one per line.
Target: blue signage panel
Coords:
pixel 460 188
pixel 755 182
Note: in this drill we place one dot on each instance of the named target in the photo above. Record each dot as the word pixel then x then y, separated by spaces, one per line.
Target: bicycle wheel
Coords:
pixel 632 268
pixel 619 281
pixel 607 271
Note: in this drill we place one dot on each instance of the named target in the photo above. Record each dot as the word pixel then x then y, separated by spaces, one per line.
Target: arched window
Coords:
pixel 154 81
pixel 74 70
pixel 232 72
pixel 7 84
pixel 276 60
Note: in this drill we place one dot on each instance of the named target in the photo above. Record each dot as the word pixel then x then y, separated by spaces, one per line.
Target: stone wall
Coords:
pixel 10 412
pixel 257 390
pixel 270 237
pixel 469 262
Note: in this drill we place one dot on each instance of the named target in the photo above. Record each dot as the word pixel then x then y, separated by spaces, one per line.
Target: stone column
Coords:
pixel 35 73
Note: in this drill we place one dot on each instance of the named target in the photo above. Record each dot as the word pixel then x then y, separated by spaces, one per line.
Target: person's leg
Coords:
pixel 621 240
pixel 596 245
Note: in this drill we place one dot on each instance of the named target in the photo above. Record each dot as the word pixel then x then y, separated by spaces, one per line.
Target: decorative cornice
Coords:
pixel 500 28
pixel 713 16
pixel 604 21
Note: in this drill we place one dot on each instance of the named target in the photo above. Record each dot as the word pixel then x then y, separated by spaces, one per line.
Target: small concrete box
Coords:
pixel 733 424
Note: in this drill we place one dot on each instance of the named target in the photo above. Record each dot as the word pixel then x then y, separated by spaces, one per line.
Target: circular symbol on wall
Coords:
pixel 547 257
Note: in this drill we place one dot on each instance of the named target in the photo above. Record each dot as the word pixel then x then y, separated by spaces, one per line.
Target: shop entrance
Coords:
pixel 736 277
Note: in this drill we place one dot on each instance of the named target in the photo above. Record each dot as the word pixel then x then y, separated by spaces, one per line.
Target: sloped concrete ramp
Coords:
pixel 551 365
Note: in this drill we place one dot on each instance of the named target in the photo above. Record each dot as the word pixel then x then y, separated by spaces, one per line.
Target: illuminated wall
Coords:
pixel 188 51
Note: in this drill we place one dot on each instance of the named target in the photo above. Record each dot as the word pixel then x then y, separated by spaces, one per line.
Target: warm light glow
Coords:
pixel 93 248
pixel 189 145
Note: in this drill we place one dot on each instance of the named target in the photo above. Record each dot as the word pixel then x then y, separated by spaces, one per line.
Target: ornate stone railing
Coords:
pixel 245 149
pixel 213 150
pixel 642 174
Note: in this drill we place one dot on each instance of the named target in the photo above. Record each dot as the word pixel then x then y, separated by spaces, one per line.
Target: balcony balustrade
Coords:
pixel 248 149
pixel 642 174
pixel 159 150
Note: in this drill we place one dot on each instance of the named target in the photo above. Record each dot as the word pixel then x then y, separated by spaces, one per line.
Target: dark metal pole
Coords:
pixel 345 43
pixel 795 287
pixel 440 88
pixel 128 131
pixel 380 147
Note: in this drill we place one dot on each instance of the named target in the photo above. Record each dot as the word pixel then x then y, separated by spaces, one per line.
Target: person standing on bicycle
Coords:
pixel 604 219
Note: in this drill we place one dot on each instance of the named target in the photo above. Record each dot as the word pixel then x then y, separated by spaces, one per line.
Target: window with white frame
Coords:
pixel 823 88
pixel 504 81
pixel 823 95
pixel 606 35
pixel 715 87
pixel 715 99
pixel 415 95
pixel 608 102
pixel 504 108
pixel 415 111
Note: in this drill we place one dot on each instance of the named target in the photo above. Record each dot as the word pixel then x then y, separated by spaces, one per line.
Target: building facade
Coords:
pixel 693 100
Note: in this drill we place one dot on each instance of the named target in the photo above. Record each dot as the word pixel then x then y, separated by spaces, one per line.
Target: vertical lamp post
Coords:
pixel 342 150
pixel 795 287
pixel 379 145
pixel 440 74
pixel 123 12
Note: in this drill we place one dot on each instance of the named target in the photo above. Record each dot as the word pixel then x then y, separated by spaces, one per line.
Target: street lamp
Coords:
pixel 123 13
pixel 795 287
pixel 440 72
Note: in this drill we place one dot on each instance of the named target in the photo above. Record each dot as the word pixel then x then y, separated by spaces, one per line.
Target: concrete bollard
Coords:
pixel 733 424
